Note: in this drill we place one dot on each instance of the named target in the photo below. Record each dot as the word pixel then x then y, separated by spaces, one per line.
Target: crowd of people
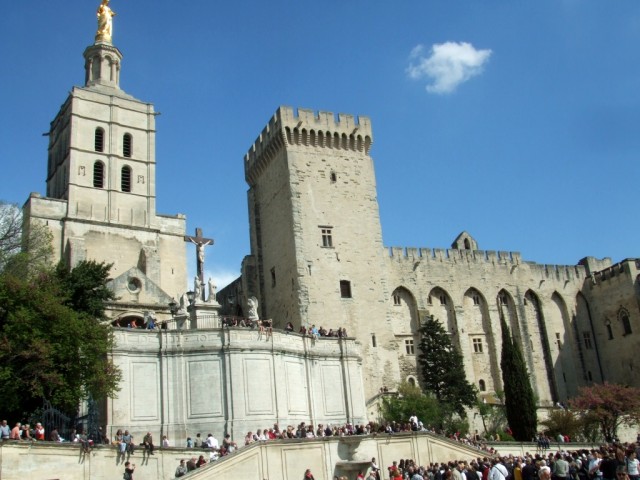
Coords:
pixel 610 462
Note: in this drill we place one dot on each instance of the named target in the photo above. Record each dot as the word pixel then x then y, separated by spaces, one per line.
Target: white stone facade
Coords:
pixel 315 229
pixel 233 380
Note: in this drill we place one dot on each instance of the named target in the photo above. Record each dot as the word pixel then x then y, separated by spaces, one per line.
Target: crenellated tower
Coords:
pixel 316 240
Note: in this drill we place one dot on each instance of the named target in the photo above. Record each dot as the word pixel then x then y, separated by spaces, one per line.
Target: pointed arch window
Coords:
pixel 99 140
pixel 125 179
pixel 623 315
pixel 127 145
pixel 482 386
pixel 98 174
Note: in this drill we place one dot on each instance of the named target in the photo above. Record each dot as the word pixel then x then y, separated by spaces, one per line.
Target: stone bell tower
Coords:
pixel 101 189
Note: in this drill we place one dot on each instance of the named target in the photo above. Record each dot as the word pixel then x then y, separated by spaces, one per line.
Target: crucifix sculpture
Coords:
pixel 200 242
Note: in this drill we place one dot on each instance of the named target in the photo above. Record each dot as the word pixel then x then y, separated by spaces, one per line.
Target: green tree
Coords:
pixel 48 349
pixel 564 422
pixel 411 401
pixel 610 404
pixel 520 402
pixel 85 287
pixel 442 368
pixel 23 251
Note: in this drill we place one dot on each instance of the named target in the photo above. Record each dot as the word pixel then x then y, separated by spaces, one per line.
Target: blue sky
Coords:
pixel 515 121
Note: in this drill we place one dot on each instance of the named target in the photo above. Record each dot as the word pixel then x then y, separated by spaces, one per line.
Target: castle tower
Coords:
pixel 316 240
pixel 101 198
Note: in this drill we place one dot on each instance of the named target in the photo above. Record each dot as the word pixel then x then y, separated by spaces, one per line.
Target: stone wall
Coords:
pixel 181 382
pixel 276 459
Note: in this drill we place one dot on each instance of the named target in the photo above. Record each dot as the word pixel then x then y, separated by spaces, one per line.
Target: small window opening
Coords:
pixel 374 343
pixel 98 175
pixel 273 277
pixel 327 237
pixel 443 300
pixel 589 376
pixel 609 330
pixel 477 345
pixel 412 381
pixel 99 140
pixel 125 179
pixel 476 300
pixel 127 141
pixel 345 288
pixel 586 336
pixel 626 323
pixel 408 346
pixel 467 244
pixel 397 301
pixel 333 177
pixel 482 386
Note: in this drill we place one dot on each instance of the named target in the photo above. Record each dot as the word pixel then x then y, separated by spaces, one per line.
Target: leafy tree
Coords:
pixel 519 399
pixel 85 287
pixel 48 349
pixel 493 417
pixel 443 369
pixel 23 251
pixel 411 401
pixel 610 404
pixel 10 231
pixel 563 422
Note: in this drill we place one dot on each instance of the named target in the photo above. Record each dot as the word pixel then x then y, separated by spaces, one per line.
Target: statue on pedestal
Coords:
pixel 212 291
pixel 105 22
pixel 197 289
pixel 252 302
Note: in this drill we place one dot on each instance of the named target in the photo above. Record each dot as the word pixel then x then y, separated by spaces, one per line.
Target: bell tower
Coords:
pixel 101 199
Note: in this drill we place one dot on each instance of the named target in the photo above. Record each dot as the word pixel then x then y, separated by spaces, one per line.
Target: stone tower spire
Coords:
pixel 102 59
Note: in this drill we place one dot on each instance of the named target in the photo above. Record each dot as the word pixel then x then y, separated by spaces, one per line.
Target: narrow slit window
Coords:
pixel 99 140
pixel 127 145
pixel 125 179
pixel 345 289
pixel 98 175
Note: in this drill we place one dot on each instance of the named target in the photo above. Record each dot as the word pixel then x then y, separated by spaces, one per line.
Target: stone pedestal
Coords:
pixel 204 315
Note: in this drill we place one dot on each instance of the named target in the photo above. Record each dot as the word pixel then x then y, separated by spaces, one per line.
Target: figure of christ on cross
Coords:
pixel 200 242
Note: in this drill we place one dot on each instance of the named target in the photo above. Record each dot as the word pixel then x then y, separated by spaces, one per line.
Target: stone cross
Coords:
pixel 200 242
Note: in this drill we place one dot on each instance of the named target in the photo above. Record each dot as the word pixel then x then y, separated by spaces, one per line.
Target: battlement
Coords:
pixel 459 256
pixel 454 255
pixel 628 267
pixel 304 127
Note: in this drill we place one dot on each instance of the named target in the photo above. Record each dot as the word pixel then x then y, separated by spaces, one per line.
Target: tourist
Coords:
pixel 148 443
pixel 16 432
pixel 308 475
pixel 39 431
pixel 212 442
pixel 229 445
pixel 26 433
pixel 201 461
pixel 191 464
pixel 165 442
pixel 498 471
pixel 631 462
pixel 5 430
pixel 181 470
pixel 128 471
pixel 189 442
pixel 127 440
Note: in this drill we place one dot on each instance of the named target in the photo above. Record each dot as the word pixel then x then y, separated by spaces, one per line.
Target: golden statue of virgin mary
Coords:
pixel 105 22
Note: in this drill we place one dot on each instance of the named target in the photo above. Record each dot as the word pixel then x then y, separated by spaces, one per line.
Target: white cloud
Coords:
pixel 447 65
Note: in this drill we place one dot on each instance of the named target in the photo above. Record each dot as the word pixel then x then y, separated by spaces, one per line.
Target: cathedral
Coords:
pixel 317 258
